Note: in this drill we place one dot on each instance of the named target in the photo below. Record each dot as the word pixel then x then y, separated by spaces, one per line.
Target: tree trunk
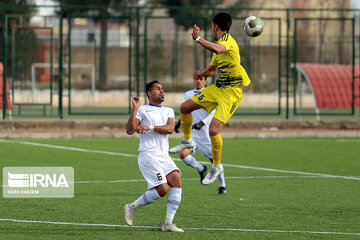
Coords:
pixel 103 49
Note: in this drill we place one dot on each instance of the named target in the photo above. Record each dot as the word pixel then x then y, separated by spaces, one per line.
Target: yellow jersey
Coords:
pixel 231 73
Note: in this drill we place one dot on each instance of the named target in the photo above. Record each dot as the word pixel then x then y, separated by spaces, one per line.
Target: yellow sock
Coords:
pixel 186 121
pixel 216 147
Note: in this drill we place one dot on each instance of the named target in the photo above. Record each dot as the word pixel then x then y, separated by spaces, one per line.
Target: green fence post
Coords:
pixel 287 63
pixel 4 66
pixel 70 18
pixel 137 55
pixel 51 66
pixel 13 52
pixel 145 51
pixel 294 68
pixel 279 69
pixel 353 66
pixel 60 64
pixel 130 71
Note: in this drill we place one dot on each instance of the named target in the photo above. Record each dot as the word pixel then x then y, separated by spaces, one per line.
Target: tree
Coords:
pixel 101 11
pixel 187 10
pixel 187 23
pixel 27 41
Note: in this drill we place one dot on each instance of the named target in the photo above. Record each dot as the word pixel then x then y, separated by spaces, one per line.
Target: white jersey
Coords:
pixel 201 135
pixel 151 141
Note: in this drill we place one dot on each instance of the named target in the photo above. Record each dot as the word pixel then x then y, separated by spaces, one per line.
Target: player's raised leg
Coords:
pixel 190 160
pixel 186 122
pixel 216 148
pixel 173 202
pixel 222 184
pixel 148 197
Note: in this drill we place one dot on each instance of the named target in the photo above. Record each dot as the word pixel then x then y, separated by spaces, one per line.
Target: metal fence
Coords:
pixel 90 60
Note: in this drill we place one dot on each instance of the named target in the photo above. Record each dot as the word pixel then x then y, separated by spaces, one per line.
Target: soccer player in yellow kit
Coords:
pixel 225 94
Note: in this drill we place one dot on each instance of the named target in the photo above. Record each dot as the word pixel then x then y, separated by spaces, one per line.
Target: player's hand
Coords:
pixel 195 32
pixel 198 126
pixel 135 102
pixel 141 128
pixel 198 75
pixel 177 126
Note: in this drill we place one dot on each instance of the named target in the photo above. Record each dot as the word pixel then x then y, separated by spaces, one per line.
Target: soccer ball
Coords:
pixel 253 26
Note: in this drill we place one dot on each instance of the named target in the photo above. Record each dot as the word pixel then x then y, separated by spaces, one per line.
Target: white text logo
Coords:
pixel 37 180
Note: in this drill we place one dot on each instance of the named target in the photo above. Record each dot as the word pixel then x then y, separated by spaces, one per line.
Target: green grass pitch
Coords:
pixel 310 199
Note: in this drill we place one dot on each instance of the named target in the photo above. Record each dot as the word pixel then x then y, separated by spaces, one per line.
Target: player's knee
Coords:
pixel 175 180
pixel 213 132
pixel 183 155
pixel 162 189
pixel 183 109
pixel 177 183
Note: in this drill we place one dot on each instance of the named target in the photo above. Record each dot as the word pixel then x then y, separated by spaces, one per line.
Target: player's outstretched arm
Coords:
pixel 213 47
pixel 133 122
pixel 166 129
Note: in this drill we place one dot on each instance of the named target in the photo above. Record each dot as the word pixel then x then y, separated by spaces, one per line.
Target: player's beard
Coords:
pixel 161 98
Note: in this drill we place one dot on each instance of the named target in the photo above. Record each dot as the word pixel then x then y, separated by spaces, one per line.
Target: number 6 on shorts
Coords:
pixel 159 176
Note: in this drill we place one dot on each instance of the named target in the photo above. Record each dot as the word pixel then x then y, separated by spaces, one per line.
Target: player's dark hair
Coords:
pixel 149 86
pixel 223 20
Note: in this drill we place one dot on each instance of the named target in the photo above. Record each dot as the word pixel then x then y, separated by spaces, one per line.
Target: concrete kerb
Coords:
pixel 235 129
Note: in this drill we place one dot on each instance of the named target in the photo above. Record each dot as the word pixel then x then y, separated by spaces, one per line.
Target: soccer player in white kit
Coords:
pixel 201 138
pixel 154 122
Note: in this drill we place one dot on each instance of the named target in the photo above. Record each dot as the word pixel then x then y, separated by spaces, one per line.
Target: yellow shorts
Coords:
pixel 226 99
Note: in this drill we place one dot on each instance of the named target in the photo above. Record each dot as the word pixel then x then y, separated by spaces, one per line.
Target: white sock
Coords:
pixel 188 140
pixel 173 204
pixel 217 166
pixel 148 197
pixel 221 178
pixel 191 161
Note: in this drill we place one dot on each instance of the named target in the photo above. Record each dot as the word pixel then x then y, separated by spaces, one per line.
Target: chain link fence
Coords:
pixel 90 60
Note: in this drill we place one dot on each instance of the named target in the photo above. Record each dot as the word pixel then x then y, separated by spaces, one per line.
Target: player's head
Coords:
pixel 155 92
pixel 221 22
pixel 200 82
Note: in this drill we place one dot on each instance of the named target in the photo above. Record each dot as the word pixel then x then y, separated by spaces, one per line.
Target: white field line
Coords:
pixel 197 179
pixel 189 179
pixel 195 229
pixel 177 159
pixel 294 172
pixel 348 140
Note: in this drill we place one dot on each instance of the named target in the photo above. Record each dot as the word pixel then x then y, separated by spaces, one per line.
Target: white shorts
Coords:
pixel 202 143
pixel 155 168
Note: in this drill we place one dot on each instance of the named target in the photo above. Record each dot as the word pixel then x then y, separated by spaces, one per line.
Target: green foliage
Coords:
pixel 27 43
pixel 160 65
pixel 19 2
pixel 97 11
pixel 17 7
pixel 27 52
pixel 101 11
pixel 187 23
pixel 189 12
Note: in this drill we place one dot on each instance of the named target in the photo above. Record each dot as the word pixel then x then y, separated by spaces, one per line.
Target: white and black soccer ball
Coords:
pixel 253 26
